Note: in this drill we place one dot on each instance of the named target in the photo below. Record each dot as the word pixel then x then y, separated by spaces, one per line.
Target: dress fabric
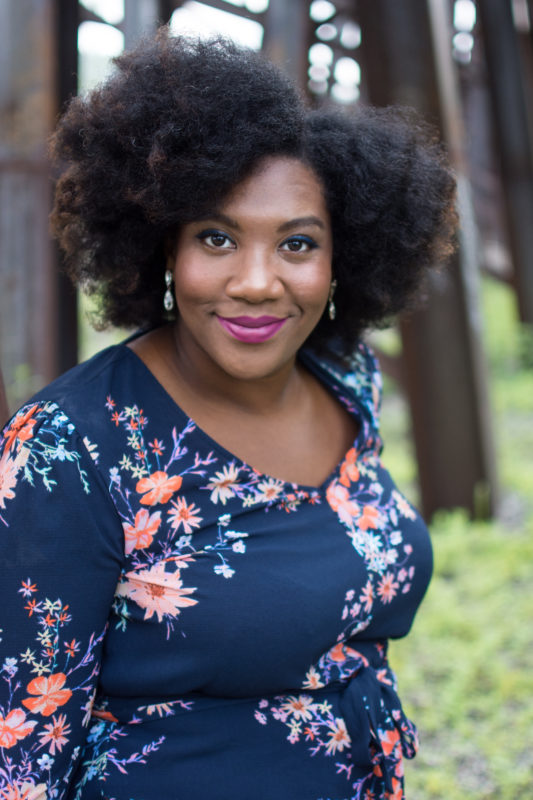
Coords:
pixel 178 625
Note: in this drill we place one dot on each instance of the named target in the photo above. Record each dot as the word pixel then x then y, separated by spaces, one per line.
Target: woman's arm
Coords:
pixel 61 555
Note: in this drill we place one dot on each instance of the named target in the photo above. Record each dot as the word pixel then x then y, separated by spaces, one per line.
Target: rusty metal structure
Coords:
pixel 407 53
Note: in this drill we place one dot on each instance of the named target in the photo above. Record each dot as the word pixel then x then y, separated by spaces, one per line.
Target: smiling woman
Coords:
pixel 206 557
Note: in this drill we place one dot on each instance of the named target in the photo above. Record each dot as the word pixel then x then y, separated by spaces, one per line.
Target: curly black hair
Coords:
pixel 181 122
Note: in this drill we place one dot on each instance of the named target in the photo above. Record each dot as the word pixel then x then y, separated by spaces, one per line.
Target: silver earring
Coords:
pixel 168 299
pixel 332 311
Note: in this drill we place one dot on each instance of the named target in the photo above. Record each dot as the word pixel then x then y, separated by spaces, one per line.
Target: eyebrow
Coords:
pixel 217 216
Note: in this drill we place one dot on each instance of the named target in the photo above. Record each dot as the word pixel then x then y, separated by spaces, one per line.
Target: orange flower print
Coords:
pixel 339 500
pixel 142 533
pixel 24 791
pixel 397 791
pixel 338 737
pixel 8 479
pixel 183 514
pixel 55 734
pixel 158 592
pixel 14 727
pixel 50 694
pixel 340 652
pixel 369 518
pixel 388 587
pixel 22 427
pixel 349 470
pixel 389 740
pixel 158 488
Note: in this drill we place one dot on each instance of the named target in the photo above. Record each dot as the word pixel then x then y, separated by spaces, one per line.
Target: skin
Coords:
pixel 266 251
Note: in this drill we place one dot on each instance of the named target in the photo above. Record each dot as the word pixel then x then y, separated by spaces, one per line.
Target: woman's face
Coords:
pixel 252 278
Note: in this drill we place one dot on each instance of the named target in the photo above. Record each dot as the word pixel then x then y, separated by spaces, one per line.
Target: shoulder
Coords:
pixel 57 426
pixel 358 376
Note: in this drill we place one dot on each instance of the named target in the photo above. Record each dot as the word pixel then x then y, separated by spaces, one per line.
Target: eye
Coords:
pixel 216 239
pixel 299 244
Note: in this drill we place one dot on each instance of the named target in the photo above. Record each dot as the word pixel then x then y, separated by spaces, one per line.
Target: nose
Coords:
pixel 255 277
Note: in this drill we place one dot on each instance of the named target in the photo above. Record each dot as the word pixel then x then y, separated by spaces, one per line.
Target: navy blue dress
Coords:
pixel 178 625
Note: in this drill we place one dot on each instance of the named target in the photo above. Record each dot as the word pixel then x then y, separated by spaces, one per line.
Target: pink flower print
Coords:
pixel 8 479
pixel 141 534
pixel 158 592
pixel 222 486
pixel 55 734
pixel 185 515
pixel 300 708
pixel 338 498
pixel 338 737
pixel 367 596
pixel 387 587
pixel 14 727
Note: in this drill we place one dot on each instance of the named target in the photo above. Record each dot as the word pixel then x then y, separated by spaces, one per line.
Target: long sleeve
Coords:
pixel 61 556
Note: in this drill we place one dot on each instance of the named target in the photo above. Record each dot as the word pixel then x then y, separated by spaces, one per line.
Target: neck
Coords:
pixel 206 379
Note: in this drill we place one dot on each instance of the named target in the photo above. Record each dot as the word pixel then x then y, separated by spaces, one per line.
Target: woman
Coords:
pixel 205 556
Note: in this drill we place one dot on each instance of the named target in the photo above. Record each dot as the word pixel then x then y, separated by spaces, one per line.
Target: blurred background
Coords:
pixel 458 408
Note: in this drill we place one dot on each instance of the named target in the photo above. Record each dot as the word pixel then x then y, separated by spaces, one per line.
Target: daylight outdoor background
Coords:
pixel 466 670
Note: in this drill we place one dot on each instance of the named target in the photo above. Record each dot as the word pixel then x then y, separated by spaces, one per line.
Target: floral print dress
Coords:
pixel 176 624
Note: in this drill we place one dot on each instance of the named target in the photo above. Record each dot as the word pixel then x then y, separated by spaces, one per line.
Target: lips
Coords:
pixel 252 330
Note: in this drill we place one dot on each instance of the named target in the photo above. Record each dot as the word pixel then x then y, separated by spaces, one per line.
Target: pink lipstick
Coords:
pixel 252 330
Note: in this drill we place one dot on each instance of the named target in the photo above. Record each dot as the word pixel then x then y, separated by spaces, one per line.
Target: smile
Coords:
pixel 252 330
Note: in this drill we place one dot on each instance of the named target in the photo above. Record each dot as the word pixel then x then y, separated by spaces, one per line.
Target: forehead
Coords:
pixel 278 187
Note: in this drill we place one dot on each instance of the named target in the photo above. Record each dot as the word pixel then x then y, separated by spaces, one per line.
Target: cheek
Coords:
pixel 193 280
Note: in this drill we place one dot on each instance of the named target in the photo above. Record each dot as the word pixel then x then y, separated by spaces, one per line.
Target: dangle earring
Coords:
pixel 168 300
pixel 332 311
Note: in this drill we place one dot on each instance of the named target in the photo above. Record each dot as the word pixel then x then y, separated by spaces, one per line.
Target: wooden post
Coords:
pixel 407 60
pixel 28 292
pixel 509 87
pixel 287 37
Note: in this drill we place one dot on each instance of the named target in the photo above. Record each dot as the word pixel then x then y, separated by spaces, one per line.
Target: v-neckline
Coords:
pixel 334 387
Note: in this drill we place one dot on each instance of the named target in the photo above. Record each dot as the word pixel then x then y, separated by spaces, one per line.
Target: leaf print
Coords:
pixel 141 534
pixel 158 488
pixel 158 592
pixel 14 727
pixel 50 694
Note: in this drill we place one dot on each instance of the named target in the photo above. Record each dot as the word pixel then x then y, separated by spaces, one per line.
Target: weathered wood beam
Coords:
pixel 287 37
pixel 28 296
pixel 407 60
pixel 509 88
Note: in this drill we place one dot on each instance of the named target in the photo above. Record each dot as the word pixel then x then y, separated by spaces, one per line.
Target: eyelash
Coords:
pixel 306 240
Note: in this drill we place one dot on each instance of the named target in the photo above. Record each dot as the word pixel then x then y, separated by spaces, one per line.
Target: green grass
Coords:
pixel 466 670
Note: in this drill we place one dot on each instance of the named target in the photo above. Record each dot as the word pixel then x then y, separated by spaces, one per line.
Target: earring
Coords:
pixel 332 311
pixel 168 300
